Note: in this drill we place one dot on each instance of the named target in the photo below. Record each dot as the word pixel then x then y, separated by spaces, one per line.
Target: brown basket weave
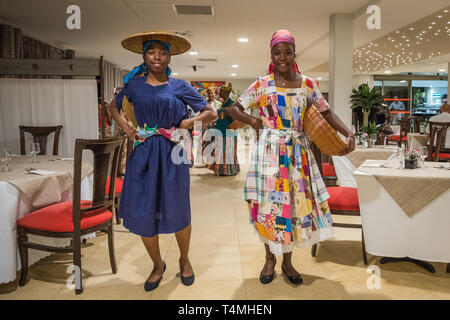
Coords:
pixel 322 134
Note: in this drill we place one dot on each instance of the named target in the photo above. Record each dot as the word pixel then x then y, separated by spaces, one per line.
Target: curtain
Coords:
pixel 48 102
pixel 113 79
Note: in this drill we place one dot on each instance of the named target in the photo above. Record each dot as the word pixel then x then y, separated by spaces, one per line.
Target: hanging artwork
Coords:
pixel 202 86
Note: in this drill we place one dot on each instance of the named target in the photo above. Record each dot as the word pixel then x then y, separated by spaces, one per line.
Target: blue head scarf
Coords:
pixel 143 67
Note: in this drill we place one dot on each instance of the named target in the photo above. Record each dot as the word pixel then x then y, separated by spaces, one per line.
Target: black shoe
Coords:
pixel 265 279
pixel 187 281
pixel 293 279
pixel 149 286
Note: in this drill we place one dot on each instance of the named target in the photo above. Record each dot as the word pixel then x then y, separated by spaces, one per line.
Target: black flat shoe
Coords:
pixel 293 279
pixel 187 281
pixel 149 286
pixel 265 279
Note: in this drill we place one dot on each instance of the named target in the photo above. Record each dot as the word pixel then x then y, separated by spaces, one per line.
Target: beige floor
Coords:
pixel 227 258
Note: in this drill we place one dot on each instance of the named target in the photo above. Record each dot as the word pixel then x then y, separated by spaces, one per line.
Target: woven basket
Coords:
pixel 322 134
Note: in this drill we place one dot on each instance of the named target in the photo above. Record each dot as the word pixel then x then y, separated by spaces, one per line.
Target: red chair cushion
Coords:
pixel 442 155
pixel 58 218
pixel 343 199
pixel 396 137
pixel 328 170
pixel 117 187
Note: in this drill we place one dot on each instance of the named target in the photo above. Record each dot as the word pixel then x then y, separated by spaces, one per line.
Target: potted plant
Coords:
pixel 367 133
pixel 365 99
pixel 411 158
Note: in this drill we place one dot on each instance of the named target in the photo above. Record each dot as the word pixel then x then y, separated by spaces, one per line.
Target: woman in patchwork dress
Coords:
pixel 285 191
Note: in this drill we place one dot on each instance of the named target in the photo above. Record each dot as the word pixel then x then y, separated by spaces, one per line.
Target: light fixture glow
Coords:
pixel 233 74
pixel 234 66
pixel 442 70
pixel 193 53
pixel 243 40
pixel 175 74
pixel 387 71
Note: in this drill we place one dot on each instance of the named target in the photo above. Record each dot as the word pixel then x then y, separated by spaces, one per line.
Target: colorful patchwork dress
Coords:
pixel 285 191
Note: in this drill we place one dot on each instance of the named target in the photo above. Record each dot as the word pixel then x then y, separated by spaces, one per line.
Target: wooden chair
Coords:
pixel 329 174
pixel 343 201
pixel 119 182
pixel 40 135
pixel 72 219
pixel 405 128
pixel 437 133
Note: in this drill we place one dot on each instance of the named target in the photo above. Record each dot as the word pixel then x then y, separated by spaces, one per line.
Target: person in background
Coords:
pixel 212 99
pixel 397 105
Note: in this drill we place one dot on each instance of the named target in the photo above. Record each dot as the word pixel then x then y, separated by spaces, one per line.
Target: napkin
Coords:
pixel 42 172
pixel 372 163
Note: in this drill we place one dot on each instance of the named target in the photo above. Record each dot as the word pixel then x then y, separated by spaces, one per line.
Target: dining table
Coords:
pixel 346 165
pixel 404 212
pixel 29 186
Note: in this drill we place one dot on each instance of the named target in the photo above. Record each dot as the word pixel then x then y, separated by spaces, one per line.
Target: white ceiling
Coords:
pixel 104 23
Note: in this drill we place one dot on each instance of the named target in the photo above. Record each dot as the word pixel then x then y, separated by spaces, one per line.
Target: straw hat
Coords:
pixel 178 44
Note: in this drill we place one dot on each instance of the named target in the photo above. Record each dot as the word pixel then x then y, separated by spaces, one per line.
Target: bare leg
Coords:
pixel 287 265
pixel 183 239
pixel 270 262
pixel 152 246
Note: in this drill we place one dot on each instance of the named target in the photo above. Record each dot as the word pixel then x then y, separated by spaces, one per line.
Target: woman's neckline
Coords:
pixel 272 77
pixel 158 85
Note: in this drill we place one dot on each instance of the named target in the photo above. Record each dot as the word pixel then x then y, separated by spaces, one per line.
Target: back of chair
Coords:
pixel 103 151
pixel 40 135
pixel 436 131
pixel 405 127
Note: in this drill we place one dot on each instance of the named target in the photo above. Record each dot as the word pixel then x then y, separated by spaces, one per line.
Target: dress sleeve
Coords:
pixel 317 97
pixel 125 92
pixel 250 98
pixel 192 98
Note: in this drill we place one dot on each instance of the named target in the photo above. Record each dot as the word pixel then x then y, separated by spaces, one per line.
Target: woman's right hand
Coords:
pixel 132 134
pixel 257 124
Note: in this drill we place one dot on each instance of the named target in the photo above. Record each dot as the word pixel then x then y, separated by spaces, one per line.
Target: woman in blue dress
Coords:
pixel 155 196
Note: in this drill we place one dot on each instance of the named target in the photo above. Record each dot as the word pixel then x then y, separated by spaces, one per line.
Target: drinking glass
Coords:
pixel 423 151
pixel 35 149
pixel 4 161
pixel 401 154
pixel 373 138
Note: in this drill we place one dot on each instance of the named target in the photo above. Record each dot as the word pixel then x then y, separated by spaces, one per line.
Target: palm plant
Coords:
pixel 366 99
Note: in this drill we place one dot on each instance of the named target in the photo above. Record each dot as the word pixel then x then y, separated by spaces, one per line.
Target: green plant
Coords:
pixel 366 99
pixel 370 129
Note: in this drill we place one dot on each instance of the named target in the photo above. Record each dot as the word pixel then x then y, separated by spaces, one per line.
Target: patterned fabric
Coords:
pixel 287 196
pixel 227 167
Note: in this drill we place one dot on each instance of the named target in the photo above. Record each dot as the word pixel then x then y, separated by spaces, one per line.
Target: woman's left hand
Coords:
pixel 351 142
pixel 186 124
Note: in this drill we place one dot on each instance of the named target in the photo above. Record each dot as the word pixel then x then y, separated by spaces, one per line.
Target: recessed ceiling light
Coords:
pixel 243 40
pixel 234 66
pixel 387 71
pixel 442 70
pixel 319 78
pixel 175 74
pixel 402 81
pixel 193 53
pixel 233 74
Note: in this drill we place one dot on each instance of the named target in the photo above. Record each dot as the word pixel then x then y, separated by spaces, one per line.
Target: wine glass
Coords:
pixel 35 149
pixel 401 154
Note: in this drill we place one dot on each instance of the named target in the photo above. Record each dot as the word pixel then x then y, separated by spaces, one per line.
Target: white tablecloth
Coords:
pixel 345 168
pixel 14 205
pixel 389 232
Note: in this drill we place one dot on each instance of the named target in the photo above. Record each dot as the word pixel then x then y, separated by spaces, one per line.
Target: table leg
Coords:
pixel 424 264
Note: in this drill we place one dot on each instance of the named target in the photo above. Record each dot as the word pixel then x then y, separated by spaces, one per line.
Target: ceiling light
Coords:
pixel 411 29
pixel 243 40
pixel 175 74
pixel 233 74
pixel 319 78
pixel 442 70
pixel 387 71
pixel 193 53
pixel 234 66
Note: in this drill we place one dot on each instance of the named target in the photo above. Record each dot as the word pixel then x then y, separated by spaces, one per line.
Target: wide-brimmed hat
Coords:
pixel 178 44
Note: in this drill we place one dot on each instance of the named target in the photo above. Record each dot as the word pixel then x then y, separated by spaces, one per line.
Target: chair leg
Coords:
pixel 364 253
pixel 112 256
pixel 314 250
pixel 116 208
pixel 77 265
pixel 23 252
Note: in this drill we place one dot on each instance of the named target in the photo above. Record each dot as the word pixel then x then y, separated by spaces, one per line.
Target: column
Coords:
pixel 340 65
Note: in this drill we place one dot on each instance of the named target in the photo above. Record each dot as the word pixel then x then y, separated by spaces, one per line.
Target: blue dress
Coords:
pixel 155 195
